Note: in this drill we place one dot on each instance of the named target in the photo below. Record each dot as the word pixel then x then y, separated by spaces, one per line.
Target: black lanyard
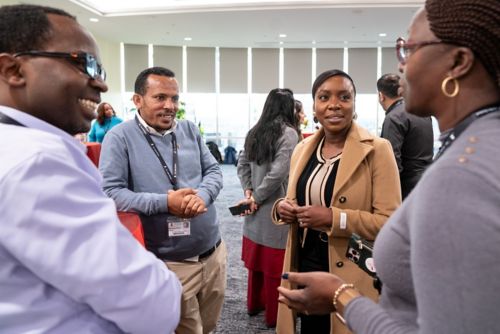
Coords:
pixel 7 120
pixel 454 133
pixel 172 176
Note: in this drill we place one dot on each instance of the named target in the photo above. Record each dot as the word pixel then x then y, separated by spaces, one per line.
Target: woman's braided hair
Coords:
pixel 471 23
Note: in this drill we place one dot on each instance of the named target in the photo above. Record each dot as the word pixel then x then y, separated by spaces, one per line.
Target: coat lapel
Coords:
pixel 357 146
pixel 302 158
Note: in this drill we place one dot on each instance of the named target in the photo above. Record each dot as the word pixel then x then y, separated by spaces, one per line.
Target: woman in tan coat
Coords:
pixel 342 180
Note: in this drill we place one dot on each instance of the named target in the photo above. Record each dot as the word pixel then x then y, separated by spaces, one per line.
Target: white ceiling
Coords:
pixel 243 23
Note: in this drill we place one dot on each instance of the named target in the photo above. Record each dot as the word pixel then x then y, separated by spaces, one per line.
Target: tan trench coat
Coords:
pixel 367 190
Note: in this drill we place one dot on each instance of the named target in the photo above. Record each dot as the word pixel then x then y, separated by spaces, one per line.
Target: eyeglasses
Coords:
pixel 90 65
pixel 404 49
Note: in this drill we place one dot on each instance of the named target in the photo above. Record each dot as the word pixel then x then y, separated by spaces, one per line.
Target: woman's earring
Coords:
pixel 315 119
pixel 445 83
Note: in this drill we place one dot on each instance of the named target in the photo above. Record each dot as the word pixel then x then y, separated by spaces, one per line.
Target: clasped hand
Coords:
pixel 311 216
pixel 185 203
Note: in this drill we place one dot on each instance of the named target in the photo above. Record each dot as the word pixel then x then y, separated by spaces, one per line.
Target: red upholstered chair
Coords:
pixel 94 152
pixel 132 222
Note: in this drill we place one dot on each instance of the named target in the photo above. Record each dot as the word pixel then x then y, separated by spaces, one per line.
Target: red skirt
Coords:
pixel 265 265
pixel 262 258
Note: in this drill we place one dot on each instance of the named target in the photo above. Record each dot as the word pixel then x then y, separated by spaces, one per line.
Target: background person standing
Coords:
pixel 301 118
pixel 160 167
pixel 106 119
pixel 411 136
pixel 263 172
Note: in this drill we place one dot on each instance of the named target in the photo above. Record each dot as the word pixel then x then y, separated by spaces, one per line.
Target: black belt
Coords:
pixel 210 251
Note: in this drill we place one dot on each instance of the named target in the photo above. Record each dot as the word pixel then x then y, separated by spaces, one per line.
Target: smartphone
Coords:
pixel 360 252
pixel 239 209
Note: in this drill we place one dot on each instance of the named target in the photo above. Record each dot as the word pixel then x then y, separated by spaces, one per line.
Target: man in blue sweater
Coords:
pixel 160 167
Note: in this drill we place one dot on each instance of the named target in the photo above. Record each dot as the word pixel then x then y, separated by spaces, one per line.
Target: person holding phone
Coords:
pixel 263 173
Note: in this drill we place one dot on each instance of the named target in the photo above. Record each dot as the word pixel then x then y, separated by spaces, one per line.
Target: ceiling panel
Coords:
pixel 323 26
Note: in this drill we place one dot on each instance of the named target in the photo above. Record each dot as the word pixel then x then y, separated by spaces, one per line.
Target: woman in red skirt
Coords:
pixel 263 171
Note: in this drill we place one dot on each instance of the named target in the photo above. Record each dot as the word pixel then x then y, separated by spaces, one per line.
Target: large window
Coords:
pixel 225 117
pixel 233 119
pixel 367 110
pixel 201 109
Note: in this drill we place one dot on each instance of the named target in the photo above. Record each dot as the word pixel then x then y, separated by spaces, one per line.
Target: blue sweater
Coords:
pixel 98 131
pixel 134 178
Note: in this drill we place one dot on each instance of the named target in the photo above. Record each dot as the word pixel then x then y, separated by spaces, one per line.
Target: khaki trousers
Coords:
pixel 203 288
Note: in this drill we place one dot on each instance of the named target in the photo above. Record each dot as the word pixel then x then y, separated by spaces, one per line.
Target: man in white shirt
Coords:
pixel 67 264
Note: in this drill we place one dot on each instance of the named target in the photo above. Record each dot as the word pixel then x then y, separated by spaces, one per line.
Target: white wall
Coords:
pixel 110 57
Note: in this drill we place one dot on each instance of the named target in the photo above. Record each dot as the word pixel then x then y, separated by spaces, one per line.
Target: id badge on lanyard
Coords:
pixel 178 227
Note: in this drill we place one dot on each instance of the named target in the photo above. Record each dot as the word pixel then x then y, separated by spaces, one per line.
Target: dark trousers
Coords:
pixel 314 324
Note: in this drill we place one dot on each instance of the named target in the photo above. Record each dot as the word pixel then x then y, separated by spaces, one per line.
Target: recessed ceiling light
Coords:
pixel 187 38
pixel 314 42
pixel 382 34
pixel 282 35
pixel 281 43
pixel 93 19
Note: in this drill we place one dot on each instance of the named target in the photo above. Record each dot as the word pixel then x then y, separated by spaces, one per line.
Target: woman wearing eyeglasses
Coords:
pixel 343 180
pixel 437 256
pixel 106 119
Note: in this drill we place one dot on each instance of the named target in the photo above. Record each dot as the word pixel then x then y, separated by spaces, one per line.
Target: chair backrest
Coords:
pixel 132 222
pixel 94 152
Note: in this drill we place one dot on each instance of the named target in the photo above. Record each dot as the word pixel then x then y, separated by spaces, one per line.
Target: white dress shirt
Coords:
pixel 153 131
pixel 67 265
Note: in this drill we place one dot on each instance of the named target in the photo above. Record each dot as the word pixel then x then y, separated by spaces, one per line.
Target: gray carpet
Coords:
pixel 234 318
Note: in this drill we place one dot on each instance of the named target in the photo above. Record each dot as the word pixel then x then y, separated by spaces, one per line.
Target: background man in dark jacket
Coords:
pixel 411 136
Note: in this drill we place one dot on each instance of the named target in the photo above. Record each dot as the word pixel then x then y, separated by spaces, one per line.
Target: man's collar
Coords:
pixel 394 105
pixel 33 122
pixel 152 131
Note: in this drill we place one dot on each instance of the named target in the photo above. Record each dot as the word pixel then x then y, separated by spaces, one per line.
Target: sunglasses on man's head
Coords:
pixel 90 65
